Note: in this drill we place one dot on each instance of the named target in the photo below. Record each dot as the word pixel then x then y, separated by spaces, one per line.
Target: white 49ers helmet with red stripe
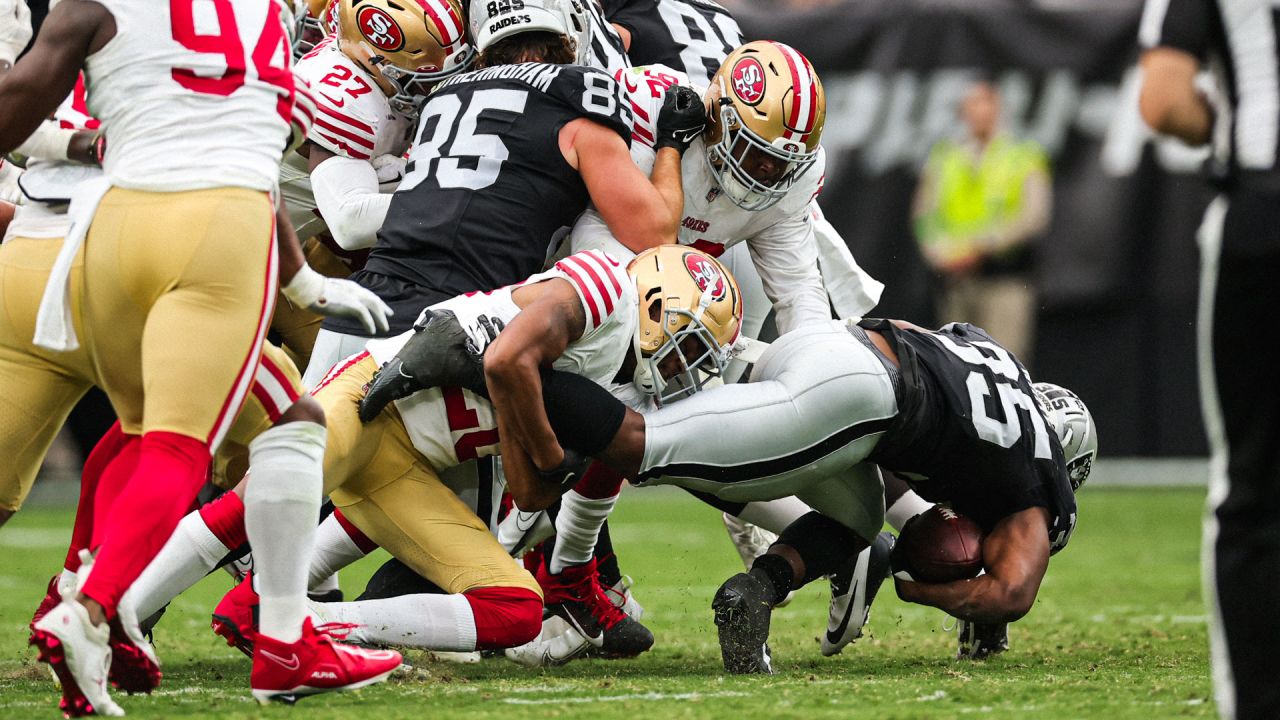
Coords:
pixel 690 316
pixel 765 113
pixel 406 45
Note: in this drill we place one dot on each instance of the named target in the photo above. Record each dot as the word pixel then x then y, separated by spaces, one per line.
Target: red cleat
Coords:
pixel 134 665
pixel 51 599
pixel 78 652
pixel 315 664
pixel 575 594
pixel 236 616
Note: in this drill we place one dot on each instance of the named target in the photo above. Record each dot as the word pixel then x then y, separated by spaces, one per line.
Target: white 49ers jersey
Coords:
pixel 450 425
pixel 779 237
pixel 193 94
pixel 353 119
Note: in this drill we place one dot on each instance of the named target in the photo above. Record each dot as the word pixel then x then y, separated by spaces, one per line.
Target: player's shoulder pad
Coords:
pixel 593 94
pixel 601 282
pixel 349 104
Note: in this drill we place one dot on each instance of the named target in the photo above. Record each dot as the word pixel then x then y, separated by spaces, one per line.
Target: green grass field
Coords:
pixel 1118 632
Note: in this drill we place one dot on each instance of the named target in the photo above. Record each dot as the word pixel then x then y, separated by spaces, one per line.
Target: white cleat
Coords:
pixel 557 644
pixel 78 652
pixel 853 589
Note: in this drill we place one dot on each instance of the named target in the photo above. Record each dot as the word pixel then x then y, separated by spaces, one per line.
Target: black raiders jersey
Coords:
pixel 689 35
pixel 969 431
pixel 607 51
pixel 486 185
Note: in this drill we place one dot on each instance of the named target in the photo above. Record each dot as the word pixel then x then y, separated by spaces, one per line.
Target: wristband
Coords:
pixel 305 288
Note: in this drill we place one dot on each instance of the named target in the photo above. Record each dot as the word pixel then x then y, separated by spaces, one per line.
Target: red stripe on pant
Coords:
pixel 504 616
pixel 361 540
pixel 170 471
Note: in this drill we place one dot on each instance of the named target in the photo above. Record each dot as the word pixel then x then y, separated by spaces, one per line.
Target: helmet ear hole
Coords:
pixel 655 311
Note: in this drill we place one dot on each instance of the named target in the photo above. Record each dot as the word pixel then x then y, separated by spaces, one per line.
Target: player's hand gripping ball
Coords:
pixel 939 545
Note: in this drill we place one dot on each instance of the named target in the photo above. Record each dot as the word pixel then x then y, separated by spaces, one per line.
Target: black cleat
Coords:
pixel 979 641
pixel 742 613
pixel 576 596
pixel 440 353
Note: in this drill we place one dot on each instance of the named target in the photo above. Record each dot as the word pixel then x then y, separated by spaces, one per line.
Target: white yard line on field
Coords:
pixel 649 696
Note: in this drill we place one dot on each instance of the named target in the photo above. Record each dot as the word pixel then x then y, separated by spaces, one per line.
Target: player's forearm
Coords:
pixel 292 260
pixel 515 387
pixel 348 198
pixel 667 181
pixel 529 491
pixel 982 599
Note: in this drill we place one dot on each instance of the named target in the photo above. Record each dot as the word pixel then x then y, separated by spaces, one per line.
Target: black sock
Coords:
pixel 776 573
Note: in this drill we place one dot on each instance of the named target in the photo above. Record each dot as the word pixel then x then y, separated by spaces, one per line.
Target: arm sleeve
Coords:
pixel 1180 24
pixel 786 256
pixel 347 196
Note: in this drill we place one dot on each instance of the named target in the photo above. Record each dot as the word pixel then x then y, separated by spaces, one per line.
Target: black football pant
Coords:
pixel 1240 393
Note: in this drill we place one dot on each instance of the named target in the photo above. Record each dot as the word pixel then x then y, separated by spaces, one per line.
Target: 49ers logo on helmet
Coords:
pixel 378 27
pixel 748 80
pixel 705 274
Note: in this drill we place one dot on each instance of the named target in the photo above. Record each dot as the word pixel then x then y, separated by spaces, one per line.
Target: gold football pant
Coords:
pixel 383 485
pixel 177 293
pixel 39 387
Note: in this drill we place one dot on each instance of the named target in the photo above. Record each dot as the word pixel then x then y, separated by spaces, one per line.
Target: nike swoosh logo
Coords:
pixel 336 103
pixel 292 663
pixel 833 637
pixel 525 521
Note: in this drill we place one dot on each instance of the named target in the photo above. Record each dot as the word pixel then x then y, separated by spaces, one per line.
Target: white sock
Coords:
pixel 190 554
pixel 577 529
pixel 905 508
pixel 334 550
pixel 431 622
pixel 66 581
pixel 774 515
pixel 282 502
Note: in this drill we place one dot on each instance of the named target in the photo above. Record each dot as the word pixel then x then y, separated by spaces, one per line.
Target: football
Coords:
pixel 937 546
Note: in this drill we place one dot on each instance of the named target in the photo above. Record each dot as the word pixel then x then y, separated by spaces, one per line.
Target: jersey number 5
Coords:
pixel 448 134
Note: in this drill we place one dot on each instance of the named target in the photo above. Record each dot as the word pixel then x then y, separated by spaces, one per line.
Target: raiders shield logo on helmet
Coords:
pixel 379 29
pixel 705 274
pixel 748 80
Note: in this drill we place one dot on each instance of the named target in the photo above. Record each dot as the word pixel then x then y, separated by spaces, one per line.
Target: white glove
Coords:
pixel 390 168
pixel 337 298
pixel 557 644
pixel 15 28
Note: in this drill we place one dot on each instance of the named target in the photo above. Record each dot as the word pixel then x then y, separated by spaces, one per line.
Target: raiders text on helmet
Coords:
pixel 406 45
pixel 766 109
pixel 493 20
pixel 1074 428
pixel 690 307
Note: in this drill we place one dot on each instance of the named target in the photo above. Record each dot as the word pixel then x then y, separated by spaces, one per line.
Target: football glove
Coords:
pixel 681 119
pixel 15 29
pixel 439 353
pixel 333 297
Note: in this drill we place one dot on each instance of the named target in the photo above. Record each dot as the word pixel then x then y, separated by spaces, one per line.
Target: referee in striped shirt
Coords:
pixel 1211 76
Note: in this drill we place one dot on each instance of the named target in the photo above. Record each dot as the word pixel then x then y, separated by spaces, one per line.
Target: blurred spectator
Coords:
pixel 980 202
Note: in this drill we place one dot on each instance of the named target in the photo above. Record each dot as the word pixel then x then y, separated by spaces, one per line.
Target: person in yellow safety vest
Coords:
pixel 979 203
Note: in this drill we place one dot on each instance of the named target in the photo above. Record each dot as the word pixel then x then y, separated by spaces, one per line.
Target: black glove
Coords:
pixel 440 353
pixel 682 118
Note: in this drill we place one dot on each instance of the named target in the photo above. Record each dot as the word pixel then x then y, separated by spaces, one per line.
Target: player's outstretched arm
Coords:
pixel 1015 554
pixel 43 78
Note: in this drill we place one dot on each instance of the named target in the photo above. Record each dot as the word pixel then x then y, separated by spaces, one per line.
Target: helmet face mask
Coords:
pixel 314 21
pixel 766 112
pixel 1074 428
pixel 690 313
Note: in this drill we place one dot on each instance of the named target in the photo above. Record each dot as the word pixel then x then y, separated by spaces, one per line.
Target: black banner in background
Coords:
pixel 1118 269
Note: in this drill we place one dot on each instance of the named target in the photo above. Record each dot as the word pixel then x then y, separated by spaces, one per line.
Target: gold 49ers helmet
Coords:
pixel 406 45
pixel 765 113
pixel 690 314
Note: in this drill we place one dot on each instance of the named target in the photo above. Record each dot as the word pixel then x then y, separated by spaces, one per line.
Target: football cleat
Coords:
pixel 80 656
pixel 622 598
pixel 557 643
pixel 439 353
pixel 576 596
pixel 134 665
pixel 236 616
pixel 979 641
pixel 751 541
pixel 284 672
pixel 520 531
pixel 742 612
pixel 51 598
pixel 853 589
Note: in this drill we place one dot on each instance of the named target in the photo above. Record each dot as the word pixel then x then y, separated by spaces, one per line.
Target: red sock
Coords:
pixel 109 445
pixel 111 483
pixel 225 519
pixel 361 540
pixel 599 482
pixel 505 616
pixel 171 469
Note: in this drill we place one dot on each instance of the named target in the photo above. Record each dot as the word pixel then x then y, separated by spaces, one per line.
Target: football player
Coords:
pixel 368 79
pixel 584 316
pixel 506 155
pixel 855 397
pixel 179 235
